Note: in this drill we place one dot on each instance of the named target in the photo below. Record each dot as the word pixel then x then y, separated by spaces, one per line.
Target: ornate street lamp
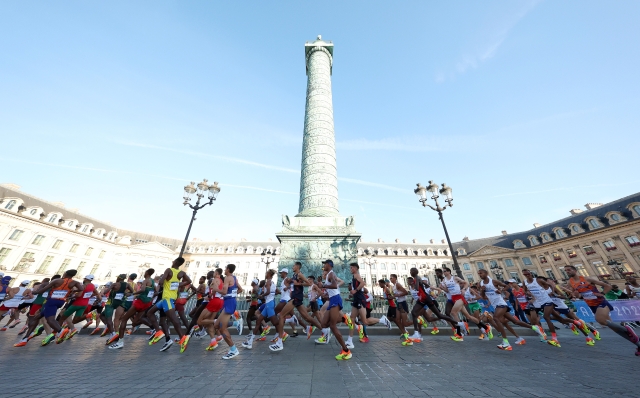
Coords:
pixel 267 258
pixel 432 188
pixel 368 259
pixel 200 191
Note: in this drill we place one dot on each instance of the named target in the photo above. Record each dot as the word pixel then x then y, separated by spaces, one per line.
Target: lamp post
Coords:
pixel 616 266
pixel 446 191
pixel 497 270
pixel 200 191
pixel 267 258
pixel 368 259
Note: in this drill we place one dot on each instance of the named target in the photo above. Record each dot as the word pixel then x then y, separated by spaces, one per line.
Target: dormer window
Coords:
pixel 518 244
pixel 534 241
pixel 636 208
pixel 33 212
pixel 461 252
pixel 594 223
pixel 546 237
pixel 575 229
pixel 10 205
pixel 84 229
pixel 615 217
pixel 53 218
pixel 560 233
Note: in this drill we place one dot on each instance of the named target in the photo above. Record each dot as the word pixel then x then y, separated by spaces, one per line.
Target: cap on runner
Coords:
pixel 25 282
pixel 330 262
pixel 286 271
pixel 89 277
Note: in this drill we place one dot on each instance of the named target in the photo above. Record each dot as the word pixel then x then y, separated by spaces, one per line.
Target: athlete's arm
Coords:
pixel 185 279
pixel 605 286
pixel 463 284
pixel 444 287
pixel 167 275
pixel 401 290
pixel 340 281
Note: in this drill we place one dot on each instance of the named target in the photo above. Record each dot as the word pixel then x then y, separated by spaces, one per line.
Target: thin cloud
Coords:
pixel 566 189
pixel 475 59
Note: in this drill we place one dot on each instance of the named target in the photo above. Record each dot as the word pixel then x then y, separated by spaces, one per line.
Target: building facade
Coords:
pixel 40 238
pixel 602 241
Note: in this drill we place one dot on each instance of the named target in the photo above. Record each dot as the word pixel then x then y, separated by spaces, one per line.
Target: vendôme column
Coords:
pixel 318 181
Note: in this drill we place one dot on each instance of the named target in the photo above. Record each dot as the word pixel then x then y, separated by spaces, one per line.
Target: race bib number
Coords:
pixel 130 298
pixel 118 296
pixel 150 294
pixel 45 294
pixel 522 299
pixel 588 295
pixel 3 295
pixel 92 300
pixel 184 295
pixel 104 299
pixel 233 293
pixel 59 294
pixel 174 285
pixel 87 295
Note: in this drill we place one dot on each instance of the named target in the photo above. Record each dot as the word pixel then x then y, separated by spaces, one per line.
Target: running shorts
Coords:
pixel 215 305
pixel 297 302
pixel 108 311
pixel 457 297
pixel 166 304
pixel 230 305
pixel 126 305
pixel 359 301
pixel 541 308
pixel 97 308
pixel 404 307
pixel 23 305
pixel 199 302
pixel 179 307
pixel 391 312
pixel 603 304
pixel 269 309
pixel 78 310
pixel 563 311
pixel 140 305
pixel 51 307
pixel 313 306
pixel 473 307
pixel 261 308
pixel 368 312
pixel 34 308
pixel 335 301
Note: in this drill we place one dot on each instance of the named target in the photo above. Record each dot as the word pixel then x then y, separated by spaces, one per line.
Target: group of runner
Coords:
pixel 57 304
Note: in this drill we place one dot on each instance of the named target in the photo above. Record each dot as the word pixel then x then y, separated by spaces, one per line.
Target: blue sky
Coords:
pixel 526 109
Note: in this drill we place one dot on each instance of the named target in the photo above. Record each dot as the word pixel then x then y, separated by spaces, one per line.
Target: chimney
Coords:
pixel 415 240
pixel 504 232
pixel 591 206
pixel 536 225
pixel 430 240
pixel 443 241
pixel 380 240
pixel 397 240
pixel 575 211
pixel 466 239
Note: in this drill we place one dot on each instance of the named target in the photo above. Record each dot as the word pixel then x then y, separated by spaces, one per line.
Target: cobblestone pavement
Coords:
pixel 438 367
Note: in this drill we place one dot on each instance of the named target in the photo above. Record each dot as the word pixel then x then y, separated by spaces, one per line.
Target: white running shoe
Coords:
pixel 385 322
pixel 247 344
pixel 276 347
pixel 166 345
pixel 231 354
pixel 349 345
pixel 118 344
pixel 240 325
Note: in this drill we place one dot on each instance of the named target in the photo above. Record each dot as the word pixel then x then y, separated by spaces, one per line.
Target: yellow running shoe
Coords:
pixel 422 321
pixel 360 331
pixel 184 341
pixel 590 341
pixel 284 338
pixel 344 355
pixel 489 332
pixel 574 329
pixel 457 337
pixel 112 339
pixel 212 346
pixel 554 343
pixel 63 334
pixel 156 337
pixel 596 334
pixel 70 335
pixel 104 333
pixel 407 342
pixel 347 320
pixel 265 331
pixel 435 330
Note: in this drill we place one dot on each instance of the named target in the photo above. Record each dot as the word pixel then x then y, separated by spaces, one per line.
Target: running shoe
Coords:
pixel 166 345
pixel 323 339
pixel 540 332
pixel 71 334
pixel 481 337
pixel 310 330
pixel 590 341
pixel 276 347
pixel 275 338
pixel 151 332
pixel 360 329
pixel 104 333
pixel 364 340
pixel 4 329
pixel 435 330
pixel 407 342
pixel 117 345
pixel 349 345
pixel 385 321
pixel 347 320
pixel 422 321
pixel 219 338
pixel 15 324
pixel 231 354
pixel 284 337
pixel 583 325
pixel 457 337
pixel 113 339
pixel 156 337
pixel 505 347
pixel 343 356
pixel 135 329
pixel 521 341
pixel 261 339
pixel 489 332
pixel 574 329
pixel 21 343
pixel 38 330
pixel 466 327
pixel 62 335
pixel 265 331
pixel 554 343
pixel 48 339
pixel 176 339
pixel 237 315
pixel 128 332
pixel 24 329
pixel 248 344
pixel 86 325
pixel 194 330
pixel 240 326
pixel 633 337
pixel 214 344
pixel 596 334
pixel 184 341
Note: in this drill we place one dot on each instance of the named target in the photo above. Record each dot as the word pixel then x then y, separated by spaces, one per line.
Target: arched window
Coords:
pixel 10 205
pixel 594 223
pixel 33 212
pixel 560 233
pixel 53 218
pixel 84 229
pixel 534 241
pixel 546 237
pixel 615 217
pixel 636 208
pixel 576 228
